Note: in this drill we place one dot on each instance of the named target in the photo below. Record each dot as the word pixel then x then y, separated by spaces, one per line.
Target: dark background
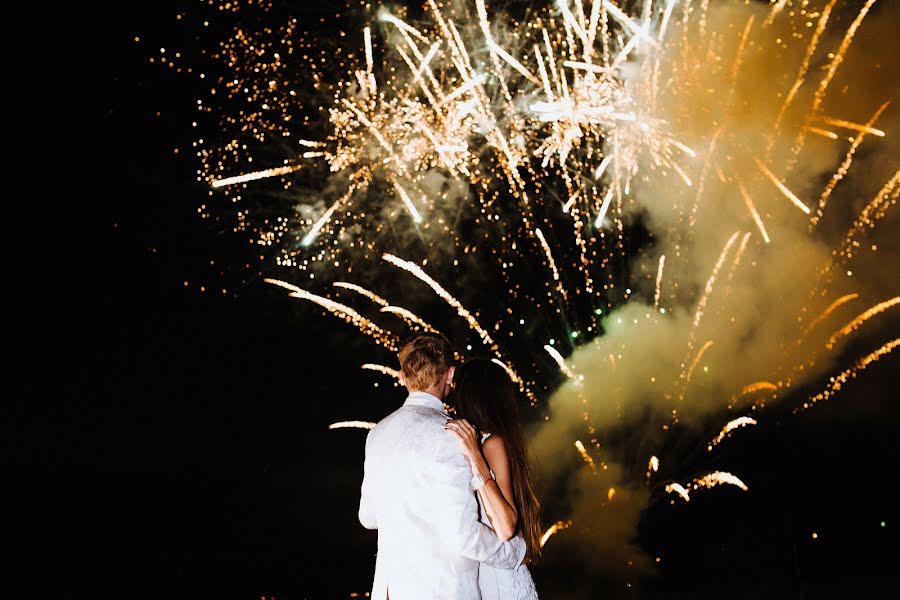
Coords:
pixel 163 441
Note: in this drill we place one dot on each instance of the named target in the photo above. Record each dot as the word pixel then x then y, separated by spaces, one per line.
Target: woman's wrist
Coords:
pixel 479 467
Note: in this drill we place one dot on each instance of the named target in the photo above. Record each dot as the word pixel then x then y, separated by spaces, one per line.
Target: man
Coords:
pixel 416 492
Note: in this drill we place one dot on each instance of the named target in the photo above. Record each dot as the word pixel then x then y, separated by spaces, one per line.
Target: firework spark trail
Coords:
pixel 352 425
pixel 872 212
pixel 701 305
pixel 737 261
pixel 867 128
pixel 827 312
pixel 585 456
pixel 360 183
pixel 860 319
pixel 408 203
pixel 512 374
pixel 781 187
pixel 558 358
pixel 801 73
pixel 752 388
pixel 832 68
pixel 217 183
pixel 837 382
pixel 717 478
pixel 659 275
pixel 348 314
pixel 823 132
pixel 845 166
pixel 382 369
pixel 678 489
pixel 417 271
pixel 362 291
pixel 549 255
pixel 598 223
pixel 552 530
pixel 748 202
pixel 411 318
pixel 696 361
pixel 776 8
pixel 729 427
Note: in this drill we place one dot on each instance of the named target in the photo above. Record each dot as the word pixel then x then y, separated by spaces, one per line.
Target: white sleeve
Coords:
pixel 457 513
pixel 366 500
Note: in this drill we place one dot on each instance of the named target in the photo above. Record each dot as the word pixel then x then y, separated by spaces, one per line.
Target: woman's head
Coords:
pixel 486 397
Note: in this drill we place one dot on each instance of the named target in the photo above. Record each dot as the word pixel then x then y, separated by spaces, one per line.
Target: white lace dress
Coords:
pixel 503 584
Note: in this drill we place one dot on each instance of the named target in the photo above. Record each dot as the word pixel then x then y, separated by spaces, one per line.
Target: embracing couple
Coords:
pixel 452 499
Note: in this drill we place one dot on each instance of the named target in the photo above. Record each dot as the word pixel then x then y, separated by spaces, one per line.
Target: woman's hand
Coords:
pixel 469 443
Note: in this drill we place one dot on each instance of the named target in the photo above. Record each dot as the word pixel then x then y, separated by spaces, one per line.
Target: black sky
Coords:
pixel 168 442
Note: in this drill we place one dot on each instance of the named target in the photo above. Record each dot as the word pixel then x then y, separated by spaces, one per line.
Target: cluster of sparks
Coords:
pixel 552 124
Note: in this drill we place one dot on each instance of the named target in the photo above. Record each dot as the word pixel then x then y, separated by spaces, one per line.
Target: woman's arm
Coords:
pixel 496 494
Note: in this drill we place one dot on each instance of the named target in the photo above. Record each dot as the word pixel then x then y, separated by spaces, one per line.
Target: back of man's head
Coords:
pixel 424 360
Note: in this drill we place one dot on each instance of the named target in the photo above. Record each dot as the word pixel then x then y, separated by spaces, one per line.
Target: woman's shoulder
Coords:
pixel 493 439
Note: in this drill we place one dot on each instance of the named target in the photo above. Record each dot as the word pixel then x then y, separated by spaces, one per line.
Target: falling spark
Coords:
pixel 440 291
pixel 837 382
pixel 512 374
pixel 341 310
pixel 550 260
pixel 561 362
pixel 860 319
pixel 701 305
pixel 717 478
pixel 783 188
pixel 602 167
pixel 363 291
pixel 382 369
pixel 409 317
pixel 678 489
pixel 255 175
pixel 856 126
pixel 603 208
pixel 352 425
pixel 553 529
pixel 751 208
pixel 310 237
pixel 827 312
pixel 406 201
pixel 823 132
pixel 757 386
pixel 845 166
pixel 697 358
pixel 729 427
pixel 659 275
pixel 584 454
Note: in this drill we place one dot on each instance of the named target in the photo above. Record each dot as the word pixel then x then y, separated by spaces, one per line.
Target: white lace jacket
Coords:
pixel 416 493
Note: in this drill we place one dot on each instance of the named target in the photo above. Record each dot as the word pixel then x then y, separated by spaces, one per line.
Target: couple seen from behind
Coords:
pixel 452 498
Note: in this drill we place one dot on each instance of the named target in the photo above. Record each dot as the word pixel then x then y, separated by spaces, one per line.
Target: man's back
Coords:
pixel 415 492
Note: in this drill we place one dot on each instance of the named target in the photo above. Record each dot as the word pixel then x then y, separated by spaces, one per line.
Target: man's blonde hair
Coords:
pixel 424 359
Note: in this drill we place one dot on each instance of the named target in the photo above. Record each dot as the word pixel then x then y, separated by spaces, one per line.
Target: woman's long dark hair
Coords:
pixel 486 397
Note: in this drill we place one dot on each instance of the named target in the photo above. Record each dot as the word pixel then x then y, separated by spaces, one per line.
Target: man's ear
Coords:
pixel 402 378
pixel 450 372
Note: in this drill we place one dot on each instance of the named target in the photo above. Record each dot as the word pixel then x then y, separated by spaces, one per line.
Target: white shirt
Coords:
pixel 416 492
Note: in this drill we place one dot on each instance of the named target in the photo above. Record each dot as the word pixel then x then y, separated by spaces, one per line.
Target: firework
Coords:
pixel 452 139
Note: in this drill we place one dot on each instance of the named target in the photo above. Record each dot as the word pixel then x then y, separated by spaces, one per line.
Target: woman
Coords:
pixel 490 435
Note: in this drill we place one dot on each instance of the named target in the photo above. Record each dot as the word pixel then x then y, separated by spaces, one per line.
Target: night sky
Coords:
pixel 168 442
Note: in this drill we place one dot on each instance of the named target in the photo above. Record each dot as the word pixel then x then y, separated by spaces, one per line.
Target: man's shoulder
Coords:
pixel 420 426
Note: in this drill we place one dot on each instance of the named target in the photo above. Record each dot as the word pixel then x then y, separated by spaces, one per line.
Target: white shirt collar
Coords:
pixel 418 398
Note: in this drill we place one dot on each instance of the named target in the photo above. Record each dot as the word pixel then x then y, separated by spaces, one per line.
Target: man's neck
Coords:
pixel 436 391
